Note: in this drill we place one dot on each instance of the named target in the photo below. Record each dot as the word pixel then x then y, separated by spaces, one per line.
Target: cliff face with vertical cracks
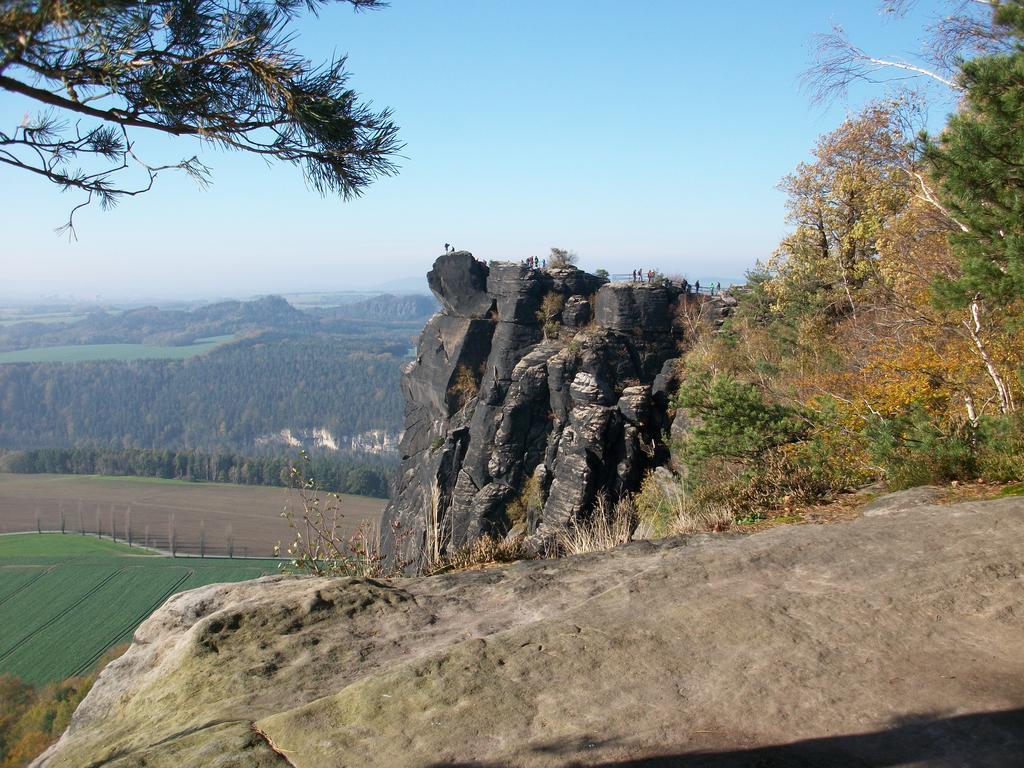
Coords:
pixel 533 393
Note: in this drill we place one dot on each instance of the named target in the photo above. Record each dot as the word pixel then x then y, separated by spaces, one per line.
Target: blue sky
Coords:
pixel 649 134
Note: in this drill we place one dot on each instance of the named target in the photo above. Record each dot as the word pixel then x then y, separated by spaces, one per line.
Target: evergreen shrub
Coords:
pixel 912 449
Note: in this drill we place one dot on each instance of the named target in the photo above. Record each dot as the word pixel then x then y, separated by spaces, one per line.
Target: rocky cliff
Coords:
pixel 893 640
pixel 533 393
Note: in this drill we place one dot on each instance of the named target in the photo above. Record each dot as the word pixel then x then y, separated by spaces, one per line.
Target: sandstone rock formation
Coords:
pixel 571 392
pixel 893 640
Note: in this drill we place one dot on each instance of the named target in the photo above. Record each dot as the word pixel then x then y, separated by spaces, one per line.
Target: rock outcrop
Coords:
pixel 896 640
pixel 549 382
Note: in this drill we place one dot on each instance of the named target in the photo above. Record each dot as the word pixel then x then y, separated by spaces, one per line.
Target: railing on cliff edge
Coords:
pixel 707 290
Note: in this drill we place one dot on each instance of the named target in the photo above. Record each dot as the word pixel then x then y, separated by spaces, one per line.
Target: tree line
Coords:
pixel 365 476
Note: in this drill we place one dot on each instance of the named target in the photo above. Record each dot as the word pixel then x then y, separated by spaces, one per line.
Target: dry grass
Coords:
pixel 666 509
pixel 437 536
pixel 694 519
pixel 483 552
pixel 605 528
pixel 463 388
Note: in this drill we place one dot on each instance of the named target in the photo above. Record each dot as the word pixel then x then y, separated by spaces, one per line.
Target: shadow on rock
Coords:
pixel 984 739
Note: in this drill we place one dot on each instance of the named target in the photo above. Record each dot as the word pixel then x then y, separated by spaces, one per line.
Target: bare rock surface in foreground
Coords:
pixel 893 640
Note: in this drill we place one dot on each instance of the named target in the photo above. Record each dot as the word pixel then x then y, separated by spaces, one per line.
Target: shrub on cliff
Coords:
pixel 527 505
pixel 550 312
pixel 463 388
pixel 560 258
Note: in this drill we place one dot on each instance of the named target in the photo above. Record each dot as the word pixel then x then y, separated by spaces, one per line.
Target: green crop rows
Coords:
pixel 65 600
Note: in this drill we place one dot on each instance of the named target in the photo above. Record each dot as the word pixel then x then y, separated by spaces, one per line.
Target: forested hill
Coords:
pixel 220 401
pixel 153 325
pixel 323 376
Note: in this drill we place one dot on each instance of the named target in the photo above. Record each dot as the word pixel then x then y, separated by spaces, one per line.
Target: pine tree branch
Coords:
pixel 110 115
pixel 216 70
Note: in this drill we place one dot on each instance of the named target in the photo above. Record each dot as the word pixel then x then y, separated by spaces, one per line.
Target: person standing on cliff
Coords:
pixel 640 275
pixel 696 287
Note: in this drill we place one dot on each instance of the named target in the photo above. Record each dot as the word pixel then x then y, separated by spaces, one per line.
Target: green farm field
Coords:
pixel 205 518
pixel 67 599
pixel 48 318
pixel 83 353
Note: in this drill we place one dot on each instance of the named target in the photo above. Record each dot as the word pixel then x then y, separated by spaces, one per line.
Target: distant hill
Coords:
pixel 268 309
pixel 175 327
pixel 323 377
pixel 387 307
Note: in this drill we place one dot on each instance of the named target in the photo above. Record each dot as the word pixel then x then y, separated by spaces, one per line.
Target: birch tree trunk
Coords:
pixel 972 413
pixel 973 326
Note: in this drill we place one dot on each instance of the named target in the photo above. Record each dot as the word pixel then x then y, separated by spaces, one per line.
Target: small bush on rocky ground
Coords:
pixel 658 503
pixel 784 477
pixel 317 547
pixel 913 448
pixel 1001 449
pixel 746 457
pixel 733 420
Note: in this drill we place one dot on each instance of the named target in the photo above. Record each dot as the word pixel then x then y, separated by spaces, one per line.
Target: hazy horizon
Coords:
pixel 402 286
pixel 651 139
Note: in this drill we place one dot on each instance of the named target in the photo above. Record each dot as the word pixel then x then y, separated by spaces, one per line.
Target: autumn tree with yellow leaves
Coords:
pixel 846 327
